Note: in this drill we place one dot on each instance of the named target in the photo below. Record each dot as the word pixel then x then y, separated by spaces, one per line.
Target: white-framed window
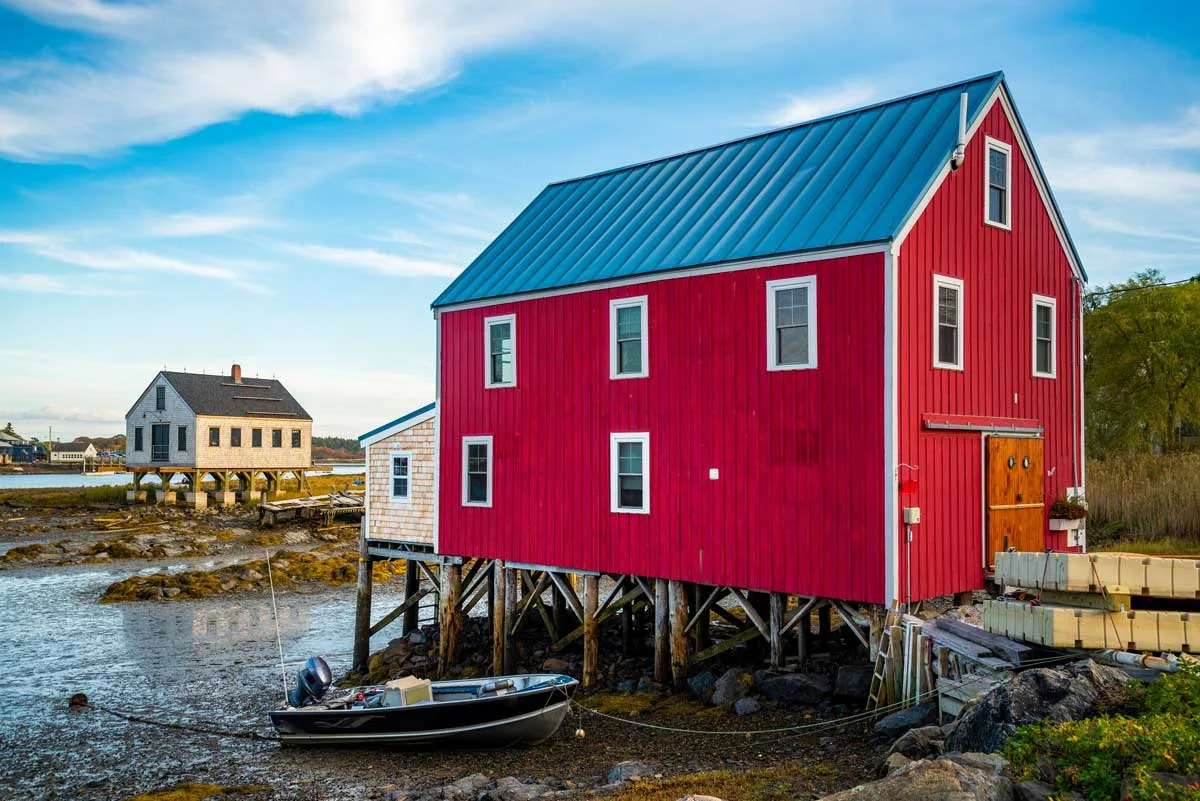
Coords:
pixel 401 475
pixel 997 184
pixel 792 323
pixel 477 471
pixel 1045 345
pixel 500 351
pixel 947 322
pixel 629 355
pixel 630 469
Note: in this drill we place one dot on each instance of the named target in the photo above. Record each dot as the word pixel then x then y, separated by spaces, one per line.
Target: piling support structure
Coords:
pixel 362 611
pixel 451 615
pixel 591 630
pixel 662 632
pixel 677 594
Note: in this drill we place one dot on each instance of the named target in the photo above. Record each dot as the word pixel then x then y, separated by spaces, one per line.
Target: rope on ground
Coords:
pixel 166 724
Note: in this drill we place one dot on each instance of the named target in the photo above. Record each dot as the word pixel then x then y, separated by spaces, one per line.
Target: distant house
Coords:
pixel 6 452
pixel 220 426
pixel 400 481
pixel 23 450
pixel 68 452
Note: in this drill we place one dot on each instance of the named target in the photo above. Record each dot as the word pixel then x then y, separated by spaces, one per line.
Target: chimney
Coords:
pixel 237 374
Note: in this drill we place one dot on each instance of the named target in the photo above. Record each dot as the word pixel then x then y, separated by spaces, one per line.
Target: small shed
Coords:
pixel 401 476
pixel 72 452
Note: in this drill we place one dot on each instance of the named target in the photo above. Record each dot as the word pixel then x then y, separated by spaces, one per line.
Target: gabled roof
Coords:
pixel 847 179
pixel 399 424
pixel 71 447
pixel 221 396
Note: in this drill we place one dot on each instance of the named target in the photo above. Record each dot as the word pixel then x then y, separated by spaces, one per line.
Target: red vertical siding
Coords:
pixel 1001 271
pixel 798 506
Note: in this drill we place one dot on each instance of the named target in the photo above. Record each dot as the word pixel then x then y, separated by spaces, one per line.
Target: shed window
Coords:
pixel 276 437
pixel 947 322
pixel 1044 356
pixel 997 198
pixel 235 437
pixel 137 439
pixel 628 357
pixel 630 455
pixel 256 437
pixel 499 343
pixel 214 437
pixel 160 398
pixel 182 438
pixel 477 471
pixel 401 475
pixel 792 323
pixel 295 438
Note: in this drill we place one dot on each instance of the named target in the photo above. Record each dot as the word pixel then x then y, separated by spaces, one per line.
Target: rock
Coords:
pixel 746 706
pixel 895 724
pixel 171 592
pixel 1079 690
pixel 853 682
pixel 732 685
pixel 796 688
pixel 993 763
pixel 555 665
pixel 1032 790
pixel 629 770
pixel 701 685
pixel 648 685
pixel 627 686
pixel 512 789
pixel 468 787
pixel 294 537
pixel 228 585
pixel 893 763
pixel 932 780
pixel 925 742
pixel 252 575
pixel 416 637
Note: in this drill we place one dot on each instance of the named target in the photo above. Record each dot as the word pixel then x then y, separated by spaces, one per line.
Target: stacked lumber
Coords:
pixel 1099 601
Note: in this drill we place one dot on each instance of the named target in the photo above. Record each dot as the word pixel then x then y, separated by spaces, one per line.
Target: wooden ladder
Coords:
pixel 883 678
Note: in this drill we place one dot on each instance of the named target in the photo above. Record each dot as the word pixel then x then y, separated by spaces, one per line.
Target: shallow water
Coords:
pixel 212 662
pixel 10 481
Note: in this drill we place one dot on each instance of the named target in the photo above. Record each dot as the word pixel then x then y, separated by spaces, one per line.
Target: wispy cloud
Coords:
pixel 153 72
pixel 1124 227
pixel 377 261
pixel 810 106
pixel 46 284
pixel 196 225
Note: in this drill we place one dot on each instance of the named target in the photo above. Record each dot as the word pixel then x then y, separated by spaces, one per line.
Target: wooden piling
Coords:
pixel 451 616
pixel 803 637
pixel 824 623
pixel 412 585
pixel 775 627
pixel 679 651
pixel 362 611
pixel 591 630
pixel 510 616
pixel 499 617
pixel 662 632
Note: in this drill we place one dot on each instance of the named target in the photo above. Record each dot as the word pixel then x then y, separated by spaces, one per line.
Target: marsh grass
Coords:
pixel 1148 500
pixel 192 791
pixel 775 783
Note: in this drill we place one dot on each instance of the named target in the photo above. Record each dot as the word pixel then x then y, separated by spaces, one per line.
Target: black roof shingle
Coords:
pixel 221 396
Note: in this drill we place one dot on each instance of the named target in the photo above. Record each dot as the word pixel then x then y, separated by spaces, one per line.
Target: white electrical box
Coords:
pixel 912 515
pixel 714 473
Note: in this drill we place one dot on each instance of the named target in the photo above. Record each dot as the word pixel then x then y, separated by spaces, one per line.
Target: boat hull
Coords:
pixel 519 718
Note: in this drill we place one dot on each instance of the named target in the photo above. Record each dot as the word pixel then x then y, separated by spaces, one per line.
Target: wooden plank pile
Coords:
pixel 323 507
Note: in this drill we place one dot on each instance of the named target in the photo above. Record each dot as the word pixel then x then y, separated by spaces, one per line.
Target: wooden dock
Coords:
pixel 323 507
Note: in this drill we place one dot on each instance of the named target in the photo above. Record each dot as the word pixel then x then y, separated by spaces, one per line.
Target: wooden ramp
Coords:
pixel 323 507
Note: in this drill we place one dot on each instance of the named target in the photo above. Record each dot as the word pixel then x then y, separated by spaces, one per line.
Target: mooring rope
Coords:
pixel 166 724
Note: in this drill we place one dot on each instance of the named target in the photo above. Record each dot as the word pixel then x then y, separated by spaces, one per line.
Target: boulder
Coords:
pixel 701 685
pixel 924 742
pixel 513 789
pixel 893 763
pixel 892 726
pixel 1079 690
pixel 989 763
pixel 629 770
pixel 1033 790
pixel 252 575
pixel 795 688
pixel 416 637
pixel 648 685
pixel 555 665
pixel 746 706
pixel 732 685
pixel 932 780
pixel 171 592
pixel 468 787
pixel 853 682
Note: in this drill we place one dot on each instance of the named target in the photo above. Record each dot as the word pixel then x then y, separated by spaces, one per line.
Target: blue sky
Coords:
pixel 288 185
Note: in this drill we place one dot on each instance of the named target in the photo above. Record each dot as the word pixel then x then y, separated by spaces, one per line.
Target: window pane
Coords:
pixel 477 487
pixel 947 305
pixel 948 344
pixel 477 458
pixel 629 457
pixel 235 437
pixel 996 208
pixel 998 168
pixel 400 487
pixel 214 437
pixel 629 322
pixel 1043 322
pixel 629 356
pixel 400 467
pixel 1043 356
pixel 791 307
pixel 501 368
pixel 501 337
pixel 793 345
pixel 629 492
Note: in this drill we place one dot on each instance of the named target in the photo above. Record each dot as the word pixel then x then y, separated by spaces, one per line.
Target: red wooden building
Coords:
pixel 741 365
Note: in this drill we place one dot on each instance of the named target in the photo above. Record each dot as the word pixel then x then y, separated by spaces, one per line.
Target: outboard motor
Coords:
pixel 312 681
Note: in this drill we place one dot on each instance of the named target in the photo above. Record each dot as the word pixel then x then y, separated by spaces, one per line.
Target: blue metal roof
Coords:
pixel 414 413
pixel 847 179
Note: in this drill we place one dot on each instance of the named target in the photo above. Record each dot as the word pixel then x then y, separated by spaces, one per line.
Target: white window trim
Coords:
pixel 996 144
pixel 809 281
pixel 614 359
pixel 466 442
pixel 956 284
pixel 487 351
pixel 1052 304
pixel 614 484
pixel 392 457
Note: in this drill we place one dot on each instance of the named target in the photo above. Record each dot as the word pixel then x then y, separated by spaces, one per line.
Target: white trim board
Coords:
pixel 398 427
pixel 891 418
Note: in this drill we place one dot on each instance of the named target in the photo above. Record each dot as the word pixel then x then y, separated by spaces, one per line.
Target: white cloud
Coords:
pixel 153 72
pixel 1124 227
pixel 192 225
pixel 799 108
pixel 377 261
pixel 45 284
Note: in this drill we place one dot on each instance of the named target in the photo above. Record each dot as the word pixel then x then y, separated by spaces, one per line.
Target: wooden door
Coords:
pixel 1015 495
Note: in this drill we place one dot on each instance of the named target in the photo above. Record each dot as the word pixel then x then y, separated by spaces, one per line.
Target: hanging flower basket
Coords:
pixel 1067 514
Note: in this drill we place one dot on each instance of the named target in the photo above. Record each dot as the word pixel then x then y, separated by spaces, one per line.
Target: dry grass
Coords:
pixel 198 792
pixel 778 783
pixel 643 703
pixel 1150 500
pixel 63 497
